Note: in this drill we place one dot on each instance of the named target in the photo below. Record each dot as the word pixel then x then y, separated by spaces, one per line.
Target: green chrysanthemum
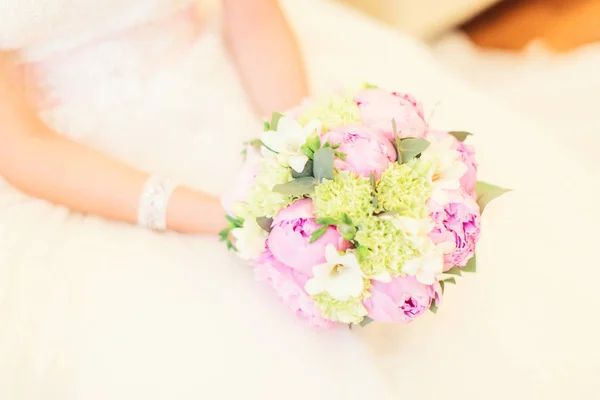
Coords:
pixel 262 201
pixel 351 311
pixel 345 194
pixel 332 111
pixel 405 188
pixel 389 247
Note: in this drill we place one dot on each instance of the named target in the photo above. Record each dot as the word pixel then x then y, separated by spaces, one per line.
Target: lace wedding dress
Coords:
pixel 92 309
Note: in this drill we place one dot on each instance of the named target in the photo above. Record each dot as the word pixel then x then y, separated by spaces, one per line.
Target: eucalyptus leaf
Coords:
pixel 326 221
pixel 297 187
pixel 275 117
pixel 307 171
pixel 323 164
pixel 471 265
pixel 318 233
pixel 366 321
pixel 372 180
pixel 412 147
pixel 265 223
pixel 461 135
pixel 454 271
pixel 374 202
pixel 487 192
pixel 433 308
pixel 449 280
pixel 396 142
pixel 443 286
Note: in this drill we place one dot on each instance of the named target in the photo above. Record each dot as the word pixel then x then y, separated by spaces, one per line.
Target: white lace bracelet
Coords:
pixel 152 213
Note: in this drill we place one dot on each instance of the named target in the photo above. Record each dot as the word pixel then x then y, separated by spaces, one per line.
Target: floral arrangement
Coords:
pixel 354 210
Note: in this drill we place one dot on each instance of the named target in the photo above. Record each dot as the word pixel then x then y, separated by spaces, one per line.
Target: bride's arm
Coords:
pixel 46 165
pixel 266 53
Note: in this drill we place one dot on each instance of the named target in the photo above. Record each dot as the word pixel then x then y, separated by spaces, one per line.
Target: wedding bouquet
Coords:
pixel 354 210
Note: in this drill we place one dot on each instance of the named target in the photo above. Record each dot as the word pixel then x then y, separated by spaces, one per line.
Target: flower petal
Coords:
pixel 411 267
pixel 297 162
pixel 274 140
pixel 345 285
pixel 314 286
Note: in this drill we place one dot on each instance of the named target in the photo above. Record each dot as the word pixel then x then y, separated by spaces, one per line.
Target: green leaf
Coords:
pixel 340 155
pixel 461 135
pixel 297 187
pixel 318 233
pixel 412 147
pixel 326 221
pixel 347 231
pixel 316 145
pixel 449 280
pixel 442 285
pixel 307 171
pixel 487 192
pixel 336 146
pixel 307 151
pixel 471 265
pixel 433 308
pixel 370 86
pixel 363 253
pixel 266 126
pixel 265 223
pixel 454 271
pixel 234 222
pixel 366 321
pixel 323 165
pixel 397 142
pixel 346 219
pixel 275 117
pixel 372 180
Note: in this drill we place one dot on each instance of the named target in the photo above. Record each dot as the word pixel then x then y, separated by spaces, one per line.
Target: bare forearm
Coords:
pixel 46 165
pixel 266 52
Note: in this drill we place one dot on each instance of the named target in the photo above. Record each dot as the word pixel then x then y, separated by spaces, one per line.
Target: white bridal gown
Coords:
pixel 91 309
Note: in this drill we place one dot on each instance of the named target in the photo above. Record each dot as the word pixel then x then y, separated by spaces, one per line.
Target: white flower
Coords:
pixel 431 264
pixel 340 276
pixel 447 168
pixel 287 140
pixel 249 239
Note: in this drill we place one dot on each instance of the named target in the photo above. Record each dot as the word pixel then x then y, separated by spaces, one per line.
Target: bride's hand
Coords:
pixel 195 212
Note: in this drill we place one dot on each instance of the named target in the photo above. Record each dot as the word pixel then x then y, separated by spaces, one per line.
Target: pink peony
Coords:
pixel 378 107
pixel 289 286
pixel 457 222
pixel 366 151
pixel 290 236
pixel 401 300
pixel 467 155
pixel 244 181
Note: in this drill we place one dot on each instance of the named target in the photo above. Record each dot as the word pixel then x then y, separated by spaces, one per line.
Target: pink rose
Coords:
pixel 366 151
pixel 378 107
pixel 290 236
pixel 244 181
pixel 467 154
pixel 457 222
pixel 289 286
pixel 401 300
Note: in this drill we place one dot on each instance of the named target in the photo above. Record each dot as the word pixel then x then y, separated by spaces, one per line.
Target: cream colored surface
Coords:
pixel 561 91
pixel 96 310
pixel 422 18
